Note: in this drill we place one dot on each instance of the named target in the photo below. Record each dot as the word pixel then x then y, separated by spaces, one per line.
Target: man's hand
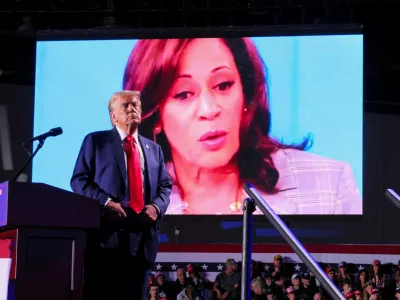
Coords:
pixel 151 212
pixel 218 294
pixel 225 295
pixel 117 209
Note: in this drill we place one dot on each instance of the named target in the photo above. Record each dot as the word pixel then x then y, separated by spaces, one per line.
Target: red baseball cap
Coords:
pixel 376 262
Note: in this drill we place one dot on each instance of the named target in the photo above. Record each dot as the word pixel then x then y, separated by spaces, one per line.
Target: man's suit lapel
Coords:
pixel 118 152
pixel 147 163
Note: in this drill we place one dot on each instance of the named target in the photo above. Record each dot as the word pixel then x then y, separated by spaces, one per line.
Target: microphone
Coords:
pixel 393 196
pixel 52 132
pixel 41 138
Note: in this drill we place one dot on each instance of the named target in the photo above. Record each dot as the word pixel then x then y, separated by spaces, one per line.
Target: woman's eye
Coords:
pixel 182 95
pixel 223 86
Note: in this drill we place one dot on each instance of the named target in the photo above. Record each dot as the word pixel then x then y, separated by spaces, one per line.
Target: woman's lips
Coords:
pixel 213 140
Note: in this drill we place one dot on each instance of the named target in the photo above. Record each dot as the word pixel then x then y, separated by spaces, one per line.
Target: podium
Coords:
pixel 49 226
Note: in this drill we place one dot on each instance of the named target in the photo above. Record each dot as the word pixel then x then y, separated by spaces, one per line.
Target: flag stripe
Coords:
pixel 212 263
pixel 281 248
pixel 268 257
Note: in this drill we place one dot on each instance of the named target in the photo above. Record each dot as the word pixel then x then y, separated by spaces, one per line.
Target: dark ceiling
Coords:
pixel 380 19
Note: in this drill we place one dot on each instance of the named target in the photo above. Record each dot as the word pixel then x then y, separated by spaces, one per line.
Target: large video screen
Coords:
pixel 283 113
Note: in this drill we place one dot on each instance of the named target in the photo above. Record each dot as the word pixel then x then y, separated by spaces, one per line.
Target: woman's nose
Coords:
pixel 208 107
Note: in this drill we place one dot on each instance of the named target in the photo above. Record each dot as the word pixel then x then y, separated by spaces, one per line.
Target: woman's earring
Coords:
pixel 245 109
pixel 156 131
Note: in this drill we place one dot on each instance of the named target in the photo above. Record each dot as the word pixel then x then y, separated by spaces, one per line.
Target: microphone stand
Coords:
pixel 29 160
pixel 290 238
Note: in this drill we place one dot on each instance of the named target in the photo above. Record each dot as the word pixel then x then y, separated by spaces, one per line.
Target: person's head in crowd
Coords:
pixel 317 296
pixel 397 276
pixel 253 265
pixel 347 286
pixel 230 266
pixel 257 286
pixel 181 275
pixel 369 287
pixel 374 292
pixel 343 267
pixel 191 271
pixel 331 273
pixel 160 279
pixel 290 293
pixel 277 261
pixel 268 279
pixel 349 296
pixel 296 280
pixel 342 271
pixel 153 291
pixel 358 294
pixel 305 279
pixel 189 290
pixel 151 279
pixel 375 295
pixel 270 294
pixel 376 266
pixel 397 293
pixel 363 276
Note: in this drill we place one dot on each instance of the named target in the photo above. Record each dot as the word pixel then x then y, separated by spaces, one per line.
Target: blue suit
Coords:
pixel 100 173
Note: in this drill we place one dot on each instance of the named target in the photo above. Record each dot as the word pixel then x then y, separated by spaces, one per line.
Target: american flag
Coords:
pixel 210 259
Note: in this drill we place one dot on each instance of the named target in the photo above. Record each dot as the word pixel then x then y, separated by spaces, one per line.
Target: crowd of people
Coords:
pixel 279 283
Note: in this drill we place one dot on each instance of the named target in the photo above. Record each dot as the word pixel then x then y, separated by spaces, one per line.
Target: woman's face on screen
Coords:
pixel 203 109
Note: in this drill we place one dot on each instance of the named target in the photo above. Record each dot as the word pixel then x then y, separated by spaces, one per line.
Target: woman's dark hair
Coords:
pixel 152 68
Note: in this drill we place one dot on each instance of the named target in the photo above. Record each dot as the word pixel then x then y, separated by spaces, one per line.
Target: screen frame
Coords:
pixel 203 32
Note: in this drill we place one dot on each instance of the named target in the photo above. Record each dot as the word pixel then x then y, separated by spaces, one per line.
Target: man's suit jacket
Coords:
pixel 100 173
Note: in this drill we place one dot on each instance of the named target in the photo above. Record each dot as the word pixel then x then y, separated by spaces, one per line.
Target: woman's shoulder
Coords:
pixel 306 159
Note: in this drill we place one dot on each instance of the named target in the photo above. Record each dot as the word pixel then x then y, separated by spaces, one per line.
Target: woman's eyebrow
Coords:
pixel 212 71
pixel 219 68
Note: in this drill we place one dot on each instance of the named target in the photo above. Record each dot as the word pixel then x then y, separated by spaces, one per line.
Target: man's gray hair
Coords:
pixel 122 94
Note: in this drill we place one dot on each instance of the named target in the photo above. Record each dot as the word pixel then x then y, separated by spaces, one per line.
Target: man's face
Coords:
pixel 296 282
pixel 306 282
pixel 180 274
pixel 277 263
pixel 153 291
pixel 317 296
pixel 189 291
pixel 331 275
pixel 347 288
pixel 126 112
pixel 230 268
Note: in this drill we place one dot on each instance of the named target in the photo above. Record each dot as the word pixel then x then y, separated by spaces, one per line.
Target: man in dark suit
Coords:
pixel 125 172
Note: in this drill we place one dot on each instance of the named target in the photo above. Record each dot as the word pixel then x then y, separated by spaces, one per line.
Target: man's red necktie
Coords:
pixel 136 201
